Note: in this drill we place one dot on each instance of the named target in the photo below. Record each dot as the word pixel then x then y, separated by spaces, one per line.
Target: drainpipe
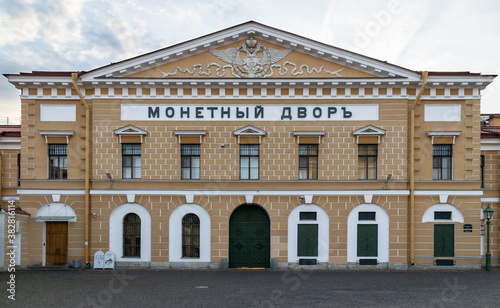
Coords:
pixel 412 169
pixel 74 76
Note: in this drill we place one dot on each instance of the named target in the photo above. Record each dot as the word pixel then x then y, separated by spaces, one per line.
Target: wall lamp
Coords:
pixel 110 179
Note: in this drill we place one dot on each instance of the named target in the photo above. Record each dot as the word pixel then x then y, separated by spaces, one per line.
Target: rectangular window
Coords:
pixel 58 161
pixel 307 215
pixel 482 171
pixel 442 162
pixel 366 216
pixel 308 162
pixel 442 215
pixel 249 161
pixel 190 161
pixel 131 161
pixel 367 161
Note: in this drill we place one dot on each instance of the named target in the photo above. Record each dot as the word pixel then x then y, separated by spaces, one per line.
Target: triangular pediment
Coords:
pixel 369 130
pixel 130 130
pixel 250 131
pixel 251 51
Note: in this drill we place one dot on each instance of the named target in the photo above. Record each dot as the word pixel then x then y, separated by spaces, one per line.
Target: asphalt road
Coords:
pixel 251 288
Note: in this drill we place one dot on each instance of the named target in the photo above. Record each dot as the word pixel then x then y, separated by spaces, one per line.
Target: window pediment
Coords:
pixel 250 131
pixel 130 130
pixel 443 134
pixel 369 131
pixel 189 133
pixel 317 133
pixel 56 133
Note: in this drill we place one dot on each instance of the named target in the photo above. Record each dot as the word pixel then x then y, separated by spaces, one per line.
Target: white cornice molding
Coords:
pixel 443 134
pixel 10 143
pixel 490 144
pixel 56 133
pixel 190 133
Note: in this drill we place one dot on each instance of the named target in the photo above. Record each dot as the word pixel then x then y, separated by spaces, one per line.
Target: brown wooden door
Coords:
pixel 57 242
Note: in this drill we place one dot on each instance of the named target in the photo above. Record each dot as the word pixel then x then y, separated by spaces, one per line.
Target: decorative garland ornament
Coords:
pixel 257 62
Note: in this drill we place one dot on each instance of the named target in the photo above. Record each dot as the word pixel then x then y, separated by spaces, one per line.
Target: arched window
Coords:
pixel 132 235
pixel 190 236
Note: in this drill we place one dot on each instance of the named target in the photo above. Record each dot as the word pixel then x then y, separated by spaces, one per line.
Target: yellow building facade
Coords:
pixel 253 147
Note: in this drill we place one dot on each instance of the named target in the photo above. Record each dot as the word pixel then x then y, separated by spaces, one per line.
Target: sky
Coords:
pixel 76 35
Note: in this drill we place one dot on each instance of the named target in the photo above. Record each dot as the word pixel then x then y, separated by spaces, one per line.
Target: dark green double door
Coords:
pixel 249 237
pixel 367 240
pixel 444 241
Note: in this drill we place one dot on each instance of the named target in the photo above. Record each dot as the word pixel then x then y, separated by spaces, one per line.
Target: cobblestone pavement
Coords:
pixel 251 288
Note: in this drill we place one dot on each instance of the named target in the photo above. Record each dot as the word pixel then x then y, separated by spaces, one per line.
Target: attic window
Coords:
pixel 369 131
pixel 130 130
pixel 250 131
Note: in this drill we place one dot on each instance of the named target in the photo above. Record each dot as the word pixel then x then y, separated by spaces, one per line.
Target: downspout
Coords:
pixel 412 169
pixel 74 76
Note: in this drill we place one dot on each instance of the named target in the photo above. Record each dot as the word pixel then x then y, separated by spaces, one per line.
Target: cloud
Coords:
pixel 85 34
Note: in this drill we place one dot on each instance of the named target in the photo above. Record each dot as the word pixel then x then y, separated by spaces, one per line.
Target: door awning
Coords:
pixel 55 212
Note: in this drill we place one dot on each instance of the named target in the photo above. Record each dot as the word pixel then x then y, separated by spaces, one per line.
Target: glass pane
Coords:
pixel 54 161
pixel 254 173
pixel 244 162
pixel 303 174
pixel 446 174
pixel 312 149
pixel 196 162
pixel 64 162
pixel 190 149
pixel 186 162
pixel 131 149
pixel 249 149
pixel 186 173
pixel 367 149
pixel 435 174
pixel 313 168
pixel 127 173
pixel 244 173
pixel 372 174
pixel 302 162
pixel 137 161
pixel 58 149
pixel 302 149
pixel 254 162
pixel 446 162
pixel 196 173
pixel 137 172
pixel 362 174
pixel 127 161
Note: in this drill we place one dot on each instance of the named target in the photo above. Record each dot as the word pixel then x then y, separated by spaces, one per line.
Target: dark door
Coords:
pixel 444 240
pixel 367 240
pixel 57 243
pixel 307 240
pixel 249 237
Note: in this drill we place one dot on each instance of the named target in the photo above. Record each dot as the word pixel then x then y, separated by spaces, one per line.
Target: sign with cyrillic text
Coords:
pixel 135 112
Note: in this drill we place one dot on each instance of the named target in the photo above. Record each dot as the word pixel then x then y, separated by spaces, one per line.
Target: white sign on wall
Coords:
pixel 443 113
pixel 57 113
pixel 177 112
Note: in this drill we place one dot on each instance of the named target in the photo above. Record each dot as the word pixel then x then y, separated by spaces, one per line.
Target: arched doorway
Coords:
pixel 249 237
